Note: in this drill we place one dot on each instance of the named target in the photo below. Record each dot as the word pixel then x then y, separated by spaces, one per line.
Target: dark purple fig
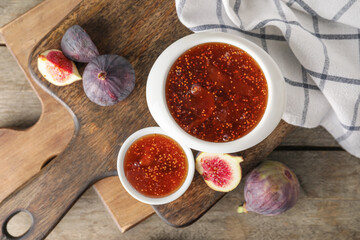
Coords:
pixel 108 79
pixel 77 45
pixel 270 189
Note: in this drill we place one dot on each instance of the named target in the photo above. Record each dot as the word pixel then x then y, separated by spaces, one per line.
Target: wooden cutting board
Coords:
pixel 29 150
pixel 139 31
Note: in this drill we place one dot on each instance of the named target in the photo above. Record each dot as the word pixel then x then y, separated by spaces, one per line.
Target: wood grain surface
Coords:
pixel 225 225
pixel 123 208
pixel 328 207
pixel 105 128
pixel 92 154
pixel 29 149
pixel 324 211
pixel 55 128
pixel 11 9
pixel 17 100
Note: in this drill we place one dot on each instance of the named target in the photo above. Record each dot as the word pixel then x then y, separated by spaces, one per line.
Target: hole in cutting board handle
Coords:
pixel 18 224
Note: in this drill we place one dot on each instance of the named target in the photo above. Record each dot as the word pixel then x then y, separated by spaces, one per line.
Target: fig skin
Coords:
pixel 78 46
pixel 220 171
pixel 108 79
pixel 270 189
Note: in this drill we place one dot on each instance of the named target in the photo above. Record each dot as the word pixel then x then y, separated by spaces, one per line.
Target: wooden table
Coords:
pixel 329 206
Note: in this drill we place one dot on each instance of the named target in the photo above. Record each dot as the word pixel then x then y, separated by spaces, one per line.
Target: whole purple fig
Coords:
pixel 270 189
pixel 77 45
pixel 108 79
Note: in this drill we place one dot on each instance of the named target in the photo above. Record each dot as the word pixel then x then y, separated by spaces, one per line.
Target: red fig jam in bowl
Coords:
pixel 154 168
pixel 216 92
pixel 216 86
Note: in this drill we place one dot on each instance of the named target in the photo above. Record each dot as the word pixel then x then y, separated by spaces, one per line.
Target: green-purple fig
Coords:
pixel 270 189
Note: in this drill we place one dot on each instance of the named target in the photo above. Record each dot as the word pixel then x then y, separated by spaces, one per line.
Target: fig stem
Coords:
pixel 102 75
pixel 242 209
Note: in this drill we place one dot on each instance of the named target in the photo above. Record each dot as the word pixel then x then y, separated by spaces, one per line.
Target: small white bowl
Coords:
pixel 131 190
pixel 156 100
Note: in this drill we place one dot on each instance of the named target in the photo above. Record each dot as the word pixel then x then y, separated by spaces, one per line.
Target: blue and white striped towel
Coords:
pixel 316 45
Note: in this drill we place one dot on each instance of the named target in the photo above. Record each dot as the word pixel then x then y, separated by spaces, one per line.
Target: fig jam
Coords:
pixel 155 165
pixel 216 92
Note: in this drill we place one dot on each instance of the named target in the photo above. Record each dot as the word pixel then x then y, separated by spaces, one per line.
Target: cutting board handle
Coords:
pixel 50 194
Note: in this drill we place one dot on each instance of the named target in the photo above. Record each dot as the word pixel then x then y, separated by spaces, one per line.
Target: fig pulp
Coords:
pixel 270 189
pixel 108 79
pixel 221 172
pixel 78 46
pixel 56 68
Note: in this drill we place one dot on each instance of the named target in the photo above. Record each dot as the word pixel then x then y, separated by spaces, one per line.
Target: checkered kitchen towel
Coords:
pixel 316 45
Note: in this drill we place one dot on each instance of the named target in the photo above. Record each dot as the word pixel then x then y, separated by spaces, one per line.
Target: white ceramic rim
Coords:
pixel 131 190
pixel 156 100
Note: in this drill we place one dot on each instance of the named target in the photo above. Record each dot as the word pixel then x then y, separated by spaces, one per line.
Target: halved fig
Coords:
pixel 220 171
pixel 57 69
pixel 108 79
pixel 77 45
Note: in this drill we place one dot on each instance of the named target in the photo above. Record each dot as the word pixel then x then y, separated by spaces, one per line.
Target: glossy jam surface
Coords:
pixel 155 165
pixel 216 92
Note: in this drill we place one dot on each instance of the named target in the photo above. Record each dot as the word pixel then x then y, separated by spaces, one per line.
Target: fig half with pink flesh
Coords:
pixel 108 79
pixel 78 46
pixel 56 68
pixel 220 171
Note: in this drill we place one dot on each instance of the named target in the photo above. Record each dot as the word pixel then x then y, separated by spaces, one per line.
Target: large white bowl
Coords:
pixel 156 100
pixel 131 190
